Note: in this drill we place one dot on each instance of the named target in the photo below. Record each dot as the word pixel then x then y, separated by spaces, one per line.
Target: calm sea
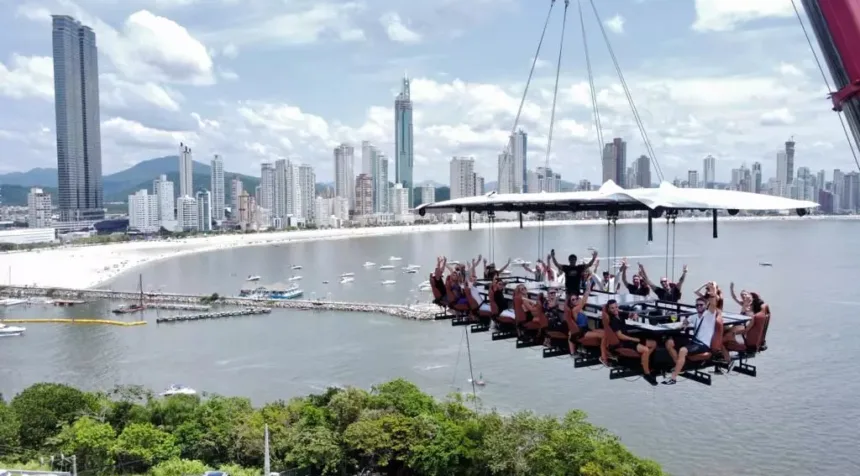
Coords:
pixel 800 416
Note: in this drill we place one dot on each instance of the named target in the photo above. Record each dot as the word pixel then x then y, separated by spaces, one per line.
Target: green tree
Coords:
pixel 9 429
pixel 91 442
pixel 142 445
pixel 178 467
pixel 43 408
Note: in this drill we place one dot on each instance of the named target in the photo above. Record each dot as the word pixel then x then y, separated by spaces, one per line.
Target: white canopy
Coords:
pixel 611 196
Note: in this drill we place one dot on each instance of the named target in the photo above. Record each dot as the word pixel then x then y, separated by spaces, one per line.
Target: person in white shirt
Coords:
pixel 703 333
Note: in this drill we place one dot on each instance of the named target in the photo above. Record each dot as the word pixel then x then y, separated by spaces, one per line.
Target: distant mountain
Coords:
pixel 32 178
pixel 16 195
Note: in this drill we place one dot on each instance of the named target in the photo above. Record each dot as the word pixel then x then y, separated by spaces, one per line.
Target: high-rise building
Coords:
pixel 267 186
pixel 368 154
pixel 506 173
pixel 609 163
pixel 709 171
pixel 789 160
pixel 204 210
pixel 479 184
pixel 294 191
pixel 78 124
pixel 756 177
pixel 643 171
pixel 186 213
pixel 236 189
pixel 462 173
pixel 143 212
pixel 381 185
pixel 782 179
pixel 543 179
pixel 164 191
pixel 693 178
pixel 307 185
pixel 428 194
pixel 344 176
pixel 615 162
pixel 279 204
pixel 186 171
pixel 399 200
pixel 363 195
pixel 38 208
pixel 518 147
pixel 404 149
pixel 217 188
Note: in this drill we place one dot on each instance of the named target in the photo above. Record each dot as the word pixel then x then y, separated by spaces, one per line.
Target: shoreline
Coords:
pixel 92 266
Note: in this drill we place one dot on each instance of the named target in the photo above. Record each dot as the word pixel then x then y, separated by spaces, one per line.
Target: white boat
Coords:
pixel 253 278
pixel 386 266
pixel 295 278
pixel 410 270
pixel 414 266
pixel 395 258
pixel 347 279
pixel 505 271
pixel 389 282
pixel 347 275
pixel 178 390
pixel 12 302
pixel 296 266
pixel 369 264
pixel 10 331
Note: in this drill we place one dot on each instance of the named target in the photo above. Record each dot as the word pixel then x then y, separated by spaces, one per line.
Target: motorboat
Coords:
pixel 369 264
pixel 296 266
pixel 178 390
pixel 129 309
pixel 295 278
pixel 480 381
pixel 12 302
pixel 265 294
pixel 767 265
pixel 395 258
pixel 253 278
pixel 414 266
pixel 410 270
pixel 389 282
pixel 386 266
pixel 347 275
pixel 346 279
pixel 11 331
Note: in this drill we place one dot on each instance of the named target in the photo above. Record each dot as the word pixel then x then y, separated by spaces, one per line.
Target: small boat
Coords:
pixel 347 279
pixel 386 266
pixel 414 266
pixel 769 265
pixel 369 264
pixel 410 270
pixel 395 258
pixel 253 278
pixel 11 331
pixel 347 275
pixel 425 286
pixel 480 382
pixel 296 266
pixel 129 309
pixel 295 278
pixel 12 302
pixel 325 282
pixel 178 390
pixel 389 282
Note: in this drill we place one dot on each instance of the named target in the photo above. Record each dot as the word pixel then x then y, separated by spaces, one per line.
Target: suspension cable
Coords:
pixel 598 127
pixel 826 81
pixel 632 103
pixel 667 246
pixel 471 371
pixel 555 90
pixel 674 229
pixel 531 72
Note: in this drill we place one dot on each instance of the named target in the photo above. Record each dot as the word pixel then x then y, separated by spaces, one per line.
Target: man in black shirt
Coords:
pixel 573 272
pixel 638 286
pixel 666 291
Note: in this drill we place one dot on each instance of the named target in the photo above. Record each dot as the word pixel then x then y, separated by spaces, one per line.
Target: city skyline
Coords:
pixel 464 98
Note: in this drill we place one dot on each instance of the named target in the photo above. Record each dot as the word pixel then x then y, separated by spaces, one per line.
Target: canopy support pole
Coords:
pixel 521 220
pixel 650 227
pixel 470 220
pixel 714 215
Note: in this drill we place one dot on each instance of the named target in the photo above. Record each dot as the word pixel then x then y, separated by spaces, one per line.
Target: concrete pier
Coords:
pixel 248 311
pixel 416 312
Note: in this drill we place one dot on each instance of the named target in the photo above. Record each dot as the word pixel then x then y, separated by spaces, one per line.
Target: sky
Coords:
pixel 260 80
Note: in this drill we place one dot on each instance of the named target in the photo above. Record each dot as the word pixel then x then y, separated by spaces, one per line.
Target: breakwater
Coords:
pixel 416 312
pixel 178 307
pixel 249 311
pixel 102 322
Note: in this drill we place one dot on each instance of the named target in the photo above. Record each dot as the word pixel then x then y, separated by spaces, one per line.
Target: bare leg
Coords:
pixel 645 352
pixel 679 364
pixel 670 348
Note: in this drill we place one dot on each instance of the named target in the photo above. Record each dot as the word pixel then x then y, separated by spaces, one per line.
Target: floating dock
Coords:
pixel 214 315
pixel 105 322
pixel 178 307
pixel 68 302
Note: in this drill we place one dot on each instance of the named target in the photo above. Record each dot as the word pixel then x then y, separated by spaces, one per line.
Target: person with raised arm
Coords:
pixel 666 291
pixel 638 287
pixel 700 341
pixel 539 271
pixel 752 305
pixel 573 273
pixel 577 321
pixel 618 325
pixel 490 269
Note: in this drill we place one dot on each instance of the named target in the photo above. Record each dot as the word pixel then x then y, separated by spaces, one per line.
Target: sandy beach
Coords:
pixel 91 266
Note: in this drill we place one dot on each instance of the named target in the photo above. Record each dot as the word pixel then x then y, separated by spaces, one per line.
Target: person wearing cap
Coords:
pixel 666 291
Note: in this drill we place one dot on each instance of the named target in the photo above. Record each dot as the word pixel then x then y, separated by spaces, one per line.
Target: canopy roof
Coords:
pixel 612 197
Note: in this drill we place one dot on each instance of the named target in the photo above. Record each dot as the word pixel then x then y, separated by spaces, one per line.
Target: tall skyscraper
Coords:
pixel 307 184
pixel 507 169
pixel 217 188
pixel 709 174
pixel 693 178
pixel 382 188
pixel 620 148
pixel 236 188
pixel 267 186
pixel 344 176
pixel 186 171
pixel 462 182
pixel 756 177
pixel 204 210
pixel 368 153
pixel 403 147
pixel 519 151
pixel 363 195
pixel 643 171
pixel 279 206
pixel 789 160
pixel 78 124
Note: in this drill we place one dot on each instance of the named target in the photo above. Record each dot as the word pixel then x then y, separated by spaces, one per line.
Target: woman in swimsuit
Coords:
pixel 577 322
pixel 745 301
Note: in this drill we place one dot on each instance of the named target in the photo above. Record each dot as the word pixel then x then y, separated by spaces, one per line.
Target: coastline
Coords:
pixel 92 266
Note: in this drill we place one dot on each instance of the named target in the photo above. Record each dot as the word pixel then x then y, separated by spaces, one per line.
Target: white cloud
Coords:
pixel 726 15
pixel 27 76
pixel 778 117
pixel 615 24
pixel 397 30
pixel 121 94
pixel 230 50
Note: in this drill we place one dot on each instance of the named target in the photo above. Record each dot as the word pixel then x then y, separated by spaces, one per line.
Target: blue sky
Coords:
pixel 257 80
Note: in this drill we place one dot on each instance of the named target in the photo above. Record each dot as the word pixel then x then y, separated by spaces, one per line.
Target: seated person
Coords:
pixel 638 287
pixel 689 322
pixel 700 341
pixel 490 269
pixel 666 291
pixel 533 318
pixel 456 284
pixel 618 325
pixel 577 322
pixel 745 302
pixel 756 308
pixel 554 311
